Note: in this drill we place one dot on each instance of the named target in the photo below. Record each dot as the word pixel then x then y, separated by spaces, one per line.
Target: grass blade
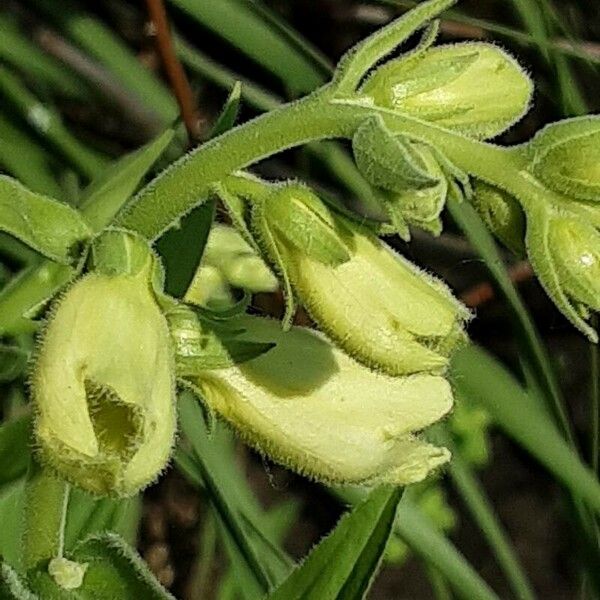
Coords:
pixel 480 378
pixel 240 24
pixel 483 513
pixel 533 351
pixel 343 565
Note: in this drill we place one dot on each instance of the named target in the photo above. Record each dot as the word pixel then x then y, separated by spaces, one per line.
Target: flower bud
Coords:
pixel 566 157
pixel 103 384
pixel 420 207
pixel 474 88
pixel 575 248
pixel 374 304
pixel 502 214
pixel 312 408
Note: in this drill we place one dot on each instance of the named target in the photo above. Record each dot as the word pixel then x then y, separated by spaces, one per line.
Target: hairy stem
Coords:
pixel 46 499
pixel 187 182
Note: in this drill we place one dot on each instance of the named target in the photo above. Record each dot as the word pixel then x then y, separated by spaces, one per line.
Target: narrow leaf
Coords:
pixel 192 425
pixel 426 541
pixel 109 191
pixel 14 449
pixel 481 379
pixel 52 228
pixel 344 564
pixel 229 112
pixel 247 30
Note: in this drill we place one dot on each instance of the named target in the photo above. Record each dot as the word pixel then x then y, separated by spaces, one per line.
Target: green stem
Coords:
pixel 46 499
pixel 187 182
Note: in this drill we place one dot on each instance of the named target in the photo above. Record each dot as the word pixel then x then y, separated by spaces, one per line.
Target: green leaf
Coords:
pixel 229 111
pixel 265 529
pixel 426 541
pixel 14 449
pixel 52 228
pixel 99 41
pixel 89 515
pixel 181 248
pixel 344 564
pixel 12 587
pixel 355 64
pixel 38 65
pixel 26 293
pixel 23 157
pixel 48 124
pixel 109 191
pixel 200 344
pixel 11 516
pixel 114 570
pixel 482 380
pixel 205 458
pixel 102 199
pixel 241 25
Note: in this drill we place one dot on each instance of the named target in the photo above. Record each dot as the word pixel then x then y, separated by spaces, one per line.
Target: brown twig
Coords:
pixel 175 72
pixel 484 292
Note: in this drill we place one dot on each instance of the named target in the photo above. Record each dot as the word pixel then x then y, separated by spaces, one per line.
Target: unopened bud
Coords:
pixel 475 88
pixel 566 157
pixel 502 214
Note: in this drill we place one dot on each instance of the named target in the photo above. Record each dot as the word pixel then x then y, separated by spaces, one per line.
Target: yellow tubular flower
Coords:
pixel 314 409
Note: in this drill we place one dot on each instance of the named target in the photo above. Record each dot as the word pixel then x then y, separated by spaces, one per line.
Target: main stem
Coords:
pixel 187 182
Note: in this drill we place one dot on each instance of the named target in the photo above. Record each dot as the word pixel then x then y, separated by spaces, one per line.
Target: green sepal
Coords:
pixel 353 66
pixel 540 255
pixel 272 251
pixel 50 227
pixel 502 214
pixel 201 345
pixel 299 218
pixel 112 570
pixel 566 157
pixel 419 207
pixel 120 252
pixel 237 209
pixel 388 160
